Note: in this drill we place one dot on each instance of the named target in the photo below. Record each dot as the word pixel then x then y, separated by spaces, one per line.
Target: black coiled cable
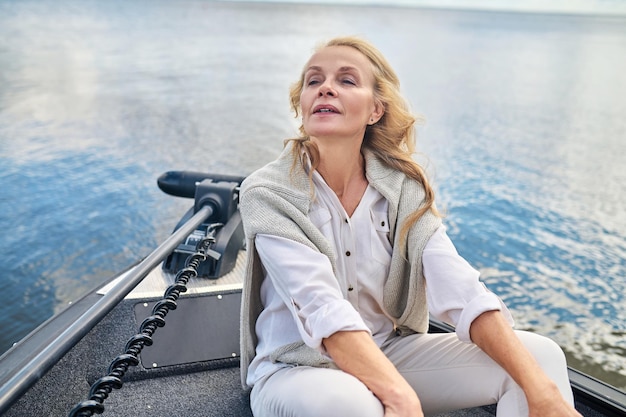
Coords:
pixel 101 389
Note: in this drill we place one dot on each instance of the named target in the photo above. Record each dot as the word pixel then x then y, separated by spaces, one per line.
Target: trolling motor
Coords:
pixel 221 192
pixel 211 250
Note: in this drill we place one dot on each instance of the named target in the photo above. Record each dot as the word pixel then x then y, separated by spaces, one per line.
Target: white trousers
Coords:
pixel 446 374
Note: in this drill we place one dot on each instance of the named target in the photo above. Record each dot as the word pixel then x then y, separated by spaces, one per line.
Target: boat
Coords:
pixel 162 337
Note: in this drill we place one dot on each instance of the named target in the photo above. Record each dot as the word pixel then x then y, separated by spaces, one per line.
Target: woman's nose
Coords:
pixel 326 90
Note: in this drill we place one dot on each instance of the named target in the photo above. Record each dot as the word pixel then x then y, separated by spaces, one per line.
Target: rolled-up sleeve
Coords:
pixel 303 278
pixel 455 293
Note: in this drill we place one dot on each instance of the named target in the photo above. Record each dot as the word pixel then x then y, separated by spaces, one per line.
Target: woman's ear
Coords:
pixel 379 111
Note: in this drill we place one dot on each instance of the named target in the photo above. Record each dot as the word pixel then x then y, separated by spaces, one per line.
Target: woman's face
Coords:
pixel 337 98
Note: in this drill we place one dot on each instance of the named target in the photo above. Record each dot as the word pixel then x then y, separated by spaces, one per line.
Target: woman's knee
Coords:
pixel 313 392
pixel 545 351
pixel 357 401
pixel 550 358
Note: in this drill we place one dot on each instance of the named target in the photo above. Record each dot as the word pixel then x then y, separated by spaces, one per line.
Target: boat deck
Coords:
pixel 191 370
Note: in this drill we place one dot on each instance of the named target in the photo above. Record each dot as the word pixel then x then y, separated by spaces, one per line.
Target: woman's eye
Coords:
pixel 312 82
pixel 348 81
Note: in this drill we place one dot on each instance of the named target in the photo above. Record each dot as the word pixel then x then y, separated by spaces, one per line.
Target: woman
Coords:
pixel 346 256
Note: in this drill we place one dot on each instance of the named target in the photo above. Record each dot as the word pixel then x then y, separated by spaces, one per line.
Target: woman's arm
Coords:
pixel 453 287
pixel 493 334
pixel 357 354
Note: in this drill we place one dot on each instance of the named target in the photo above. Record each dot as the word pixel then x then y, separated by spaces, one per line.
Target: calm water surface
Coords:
pixel 525 140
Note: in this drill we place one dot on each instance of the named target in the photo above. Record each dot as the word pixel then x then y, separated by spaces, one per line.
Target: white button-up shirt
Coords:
pixel 304 299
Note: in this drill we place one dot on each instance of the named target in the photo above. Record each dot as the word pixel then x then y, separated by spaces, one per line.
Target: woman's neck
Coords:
pixel 343 168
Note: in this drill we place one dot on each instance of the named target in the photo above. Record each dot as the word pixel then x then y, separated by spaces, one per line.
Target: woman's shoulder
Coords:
pixel 276 184
pixel 277 175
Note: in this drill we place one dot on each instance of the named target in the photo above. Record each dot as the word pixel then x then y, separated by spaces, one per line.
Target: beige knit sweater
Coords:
pixel 275 200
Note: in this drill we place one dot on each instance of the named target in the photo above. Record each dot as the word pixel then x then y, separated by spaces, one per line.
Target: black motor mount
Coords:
pixel 221 192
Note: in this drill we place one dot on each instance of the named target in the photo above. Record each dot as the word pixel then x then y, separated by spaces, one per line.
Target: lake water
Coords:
pixel 525 138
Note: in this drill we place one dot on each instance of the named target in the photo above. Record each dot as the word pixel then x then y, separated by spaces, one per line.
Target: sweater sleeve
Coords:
pixel 303 278
pixel 455 293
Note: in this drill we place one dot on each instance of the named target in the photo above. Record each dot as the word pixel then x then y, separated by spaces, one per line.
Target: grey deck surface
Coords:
pixel 215 393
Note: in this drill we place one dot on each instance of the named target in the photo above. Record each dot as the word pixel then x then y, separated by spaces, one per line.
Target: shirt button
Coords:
pixel 382 224
pixel 350 288
pixel 347 253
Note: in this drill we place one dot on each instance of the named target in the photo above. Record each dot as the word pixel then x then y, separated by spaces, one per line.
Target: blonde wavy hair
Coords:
pixel 391 139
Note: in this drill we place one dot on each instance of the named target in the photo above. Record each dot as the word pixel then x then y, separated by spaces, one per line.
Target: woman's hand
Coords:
pixel 546 401
pixel 407 406
pixel 356 353
pixel 495 337
pixel 402 401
